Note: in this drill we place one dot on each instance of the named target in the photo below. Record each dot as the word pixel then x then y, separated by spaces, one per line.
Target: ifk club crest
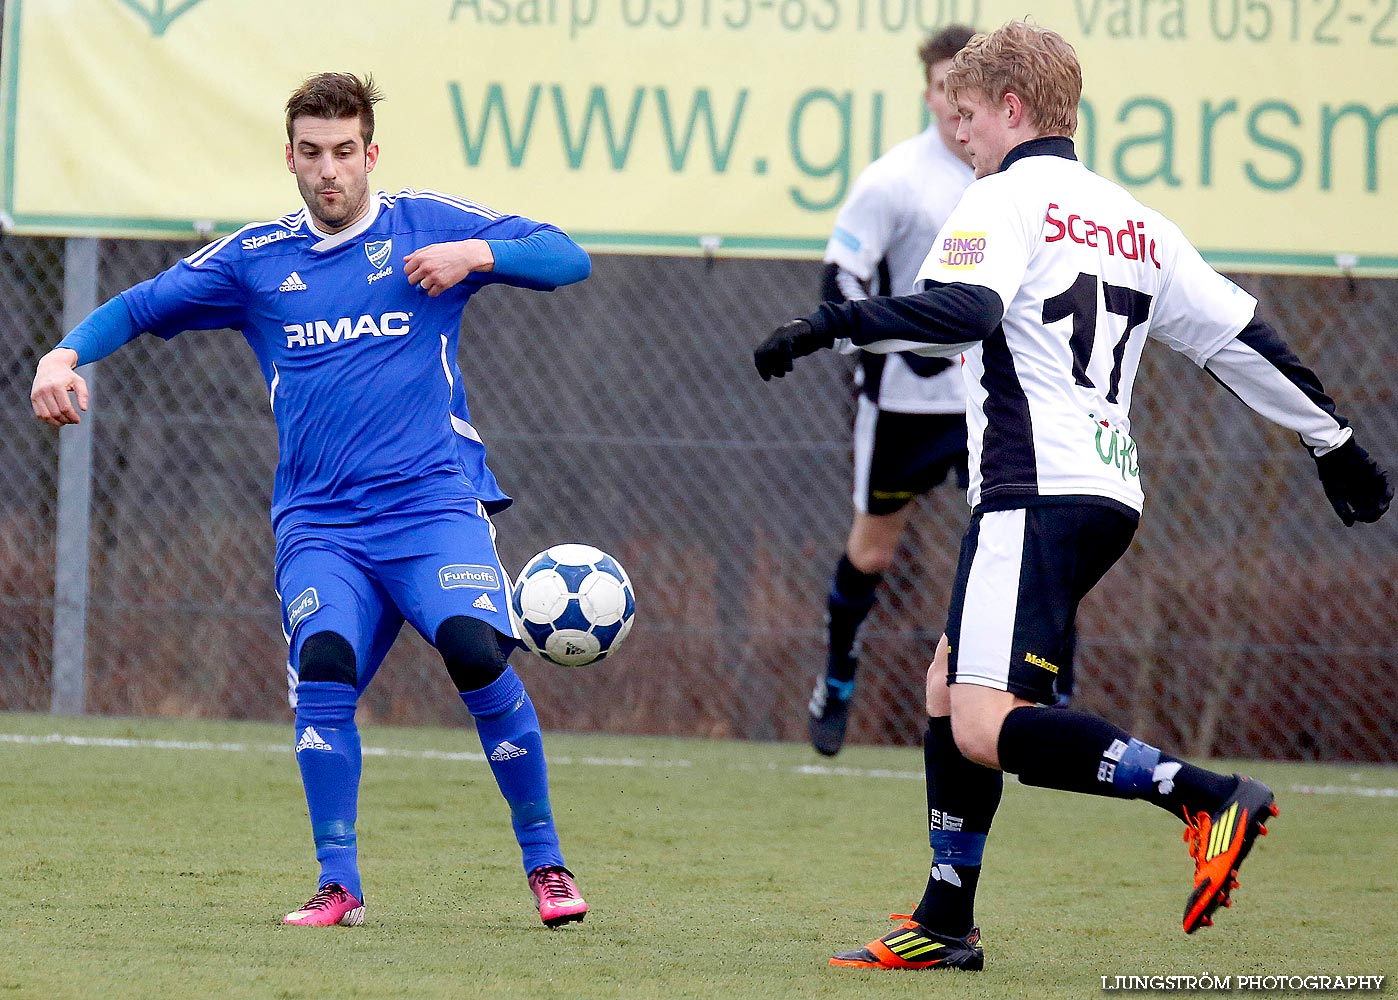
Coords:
pixel 378 253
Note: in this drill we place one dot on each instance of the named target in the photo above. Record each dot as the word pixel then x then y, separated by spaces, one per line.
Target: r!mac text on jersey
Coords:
pixel 317 331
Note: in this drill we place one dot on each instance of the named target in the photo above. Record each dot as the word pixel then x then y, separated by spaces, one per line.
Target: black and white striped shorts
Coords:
pixel 900 456
pixel 1019 580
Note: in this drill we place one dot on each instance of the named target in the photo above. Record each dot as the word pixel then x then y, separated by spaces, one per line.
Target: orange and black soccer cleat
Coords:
pixel 912 946
pixel 1219 841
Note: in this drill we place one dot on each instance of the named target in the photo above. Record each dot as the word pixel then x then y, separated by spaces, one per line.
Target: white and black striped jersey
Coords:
pixel 1049 279
pixel 881 236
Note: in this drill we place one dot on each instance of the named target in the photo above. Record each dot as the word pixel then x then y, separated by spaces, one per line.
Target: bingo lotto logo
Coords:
pixel 458 575
pixel 962 251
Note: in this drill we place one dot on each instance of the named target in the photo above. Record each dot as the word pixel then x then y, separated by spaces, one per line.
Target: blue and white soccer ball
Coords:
pixel 573 604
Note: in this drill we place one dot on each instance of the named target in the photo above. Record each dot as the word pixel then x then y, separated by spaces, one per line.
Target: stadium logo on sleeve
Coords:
pixel 307 603
pixel 962 251
pixel 458 576
pixel 378 253
pixel 276 236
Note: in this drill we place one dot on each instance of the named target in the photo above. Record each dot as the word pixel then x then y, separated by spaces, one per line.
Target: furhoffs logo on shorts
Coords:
pixel 306 603
pixel 477 577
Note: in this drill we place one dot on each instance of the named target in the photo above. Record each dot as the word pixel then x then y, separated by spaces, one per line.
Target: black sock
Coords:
pixel 851 598
pixel 961 801
pixel 1077 752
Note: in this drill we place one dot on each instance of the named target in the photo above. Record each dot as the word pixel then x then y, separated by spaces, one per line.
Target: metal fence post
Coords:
pixel 74 501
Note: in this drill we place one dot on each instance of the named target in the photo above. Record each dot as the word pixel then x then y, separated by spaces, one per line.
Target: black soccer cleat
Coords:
pixel 829 715
pixel 912 946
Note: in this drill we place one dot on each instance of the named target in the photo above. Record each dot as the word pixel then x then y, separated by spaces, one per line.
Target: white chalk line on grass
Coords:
pixel 125 743
pixel 823 770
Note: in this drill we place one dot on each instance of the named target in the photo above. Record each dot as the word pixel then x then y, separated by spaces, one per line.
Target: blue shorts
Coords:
pixel 363 582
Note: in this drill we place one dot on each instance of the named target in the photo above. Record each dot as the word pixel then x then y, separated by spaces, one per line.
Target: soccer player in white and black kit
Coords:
pixel 1049 279
pixel 910 418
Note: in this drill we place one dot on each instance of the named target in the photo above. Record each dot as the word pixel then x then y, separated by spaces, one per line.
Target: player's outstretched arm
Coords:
pixel 56 381
pixel 1258 368
pixel 943 319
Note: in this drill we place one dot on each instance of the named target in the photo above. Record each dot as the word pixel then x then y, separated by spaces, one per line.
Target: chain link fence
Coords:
pixel 624 412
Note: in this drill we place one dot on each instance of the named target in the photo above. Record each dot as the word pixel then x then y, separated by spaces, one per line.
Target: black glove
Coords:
pixel 776 355
pixel 1354 484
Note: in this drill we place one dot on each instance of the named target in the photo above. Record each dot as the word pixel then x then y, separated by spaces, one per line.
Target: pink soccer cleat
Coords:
pixel 556 895
pixel 332 904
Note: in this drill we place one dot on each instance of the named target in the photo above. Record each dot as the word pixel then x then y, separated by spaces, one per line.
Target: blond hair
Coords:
pixel 1032 62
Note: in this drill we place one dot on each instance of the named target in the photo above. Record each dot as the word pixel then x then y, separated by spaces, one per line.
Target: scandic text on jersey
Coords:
pixel 317 331
pixel 1129 240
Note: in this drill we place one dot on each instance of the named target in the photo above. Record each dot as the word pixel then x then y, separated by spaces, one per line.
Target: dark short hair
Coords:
pixel 335 95
pixel 943 45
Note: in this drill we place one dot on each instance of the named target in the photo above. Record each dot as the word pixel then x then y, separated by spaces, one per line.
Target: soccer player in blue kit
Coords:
pixel 382 500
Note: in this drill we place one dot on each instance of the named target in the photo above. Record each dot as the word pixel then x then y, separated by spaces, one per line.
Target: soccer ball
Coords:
pixel 573 604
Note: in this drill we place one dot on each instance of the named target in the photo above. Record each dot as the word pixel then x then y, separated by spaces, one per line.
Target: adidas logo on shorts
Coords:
pixel 310 740
pixel 484 603
pixel 507 751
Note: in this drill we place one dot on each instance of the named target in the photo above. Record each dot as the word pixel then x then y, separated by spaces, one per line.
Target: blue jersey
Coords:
pixel 360 365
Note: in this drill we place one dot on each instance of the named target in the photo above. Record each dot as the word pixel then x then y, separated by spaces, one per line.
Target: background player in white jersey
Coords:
pixel 910 418
pixel 1049 278
pixel 382 498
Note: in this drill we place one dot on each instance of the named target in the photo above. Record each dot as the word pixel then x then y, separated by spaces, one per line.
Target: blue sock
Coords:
pixel 327 750
pixel 509 732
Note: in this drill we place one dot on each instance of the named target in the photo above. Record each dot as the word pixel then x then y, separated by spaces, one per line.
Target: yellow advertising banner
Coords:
pixel 1268 129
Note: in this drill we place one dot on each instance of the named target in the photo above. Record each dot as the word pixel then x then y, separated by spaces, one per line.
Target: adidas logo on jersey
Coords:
pixel 310 740
pixel 293 283
pixel 507 751
pixel 484 603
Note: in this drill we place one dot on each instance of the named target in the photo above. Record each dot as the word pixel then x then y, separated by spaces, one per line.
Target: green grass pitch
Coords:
pixel 714 869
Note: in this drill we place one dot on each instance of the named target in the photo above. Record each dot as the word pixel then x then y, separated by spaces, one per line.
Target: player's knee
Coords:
pixel 326 692
pixel 873 543
pixel 976 738
pixel 328 656
pixel 869 556
pixel 470 648
pixel 874 559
